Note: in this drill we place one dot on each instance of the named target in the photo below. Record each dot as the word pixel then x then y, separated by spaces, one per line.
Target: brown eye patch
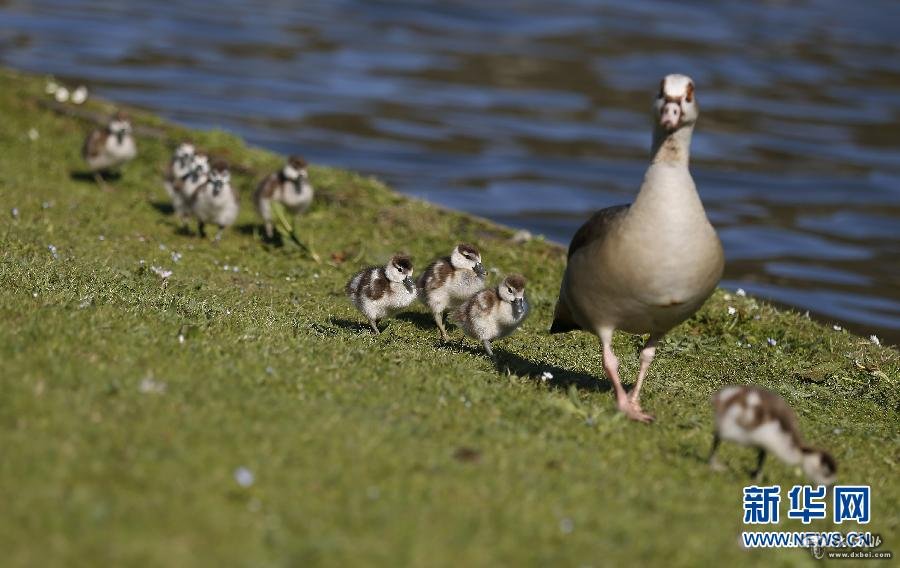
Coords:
pixel 468 251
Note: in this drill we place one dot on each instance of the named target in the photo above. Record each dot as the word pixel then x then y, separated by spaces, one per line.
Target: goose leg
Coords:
pixel 714 463
pixel 761 459
pixel 487 347
pixel 647 355
pixel 98 178
pixel 439 320
pixel 611 367
pixel 374 324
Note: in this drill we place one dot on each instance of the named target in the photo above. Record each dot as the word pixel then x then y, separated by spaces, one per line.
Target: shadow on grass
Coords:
pixel 256 230
pixel 421 320
pixel 89 177
pixel 356 326
pixel 506 361
pixel 163 207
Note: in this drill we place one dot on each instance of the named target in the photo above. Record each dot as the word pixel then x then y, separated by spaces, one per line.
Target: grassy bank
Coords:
pixel 129 402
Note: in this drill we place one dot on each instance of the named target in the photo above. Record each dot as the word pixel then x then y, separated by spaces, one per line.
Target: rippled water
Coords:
pixel 534 113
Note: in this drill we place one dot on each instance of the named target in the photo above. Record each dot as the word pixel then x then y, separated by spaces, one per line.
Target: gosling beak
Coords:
pixel 479 270
pixel 670 116
pixel 518 307
pixel 410 285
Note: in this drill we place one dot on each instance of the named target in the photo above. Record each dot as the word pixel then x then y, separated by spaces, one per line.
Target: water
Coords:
pixel 534 113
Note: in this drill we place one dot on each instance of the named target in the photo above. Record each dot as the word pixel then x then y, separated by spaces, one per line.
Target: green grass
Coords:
pixel 389 450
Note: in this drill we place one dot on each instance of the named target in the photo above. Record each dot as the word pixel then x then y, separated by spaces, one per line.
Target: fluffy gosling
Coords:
pixel 753 416
pixel 216 201
pixel 289 186
pixel 380 291
pixel 494 313
pixel 110 147
pixel 451 280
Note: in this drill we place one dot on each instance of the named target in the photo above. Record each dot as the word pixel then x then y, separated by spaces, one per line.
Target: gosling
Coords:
pixel 289 186
pixel 110 147
pixel 753 416
pixel 451 280
pixel 381 291
pixel 494 313
pixel 216 201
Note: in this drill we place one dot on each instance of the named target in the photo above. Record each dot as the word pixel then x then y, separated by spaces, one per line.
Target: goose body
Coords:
pixel 648 266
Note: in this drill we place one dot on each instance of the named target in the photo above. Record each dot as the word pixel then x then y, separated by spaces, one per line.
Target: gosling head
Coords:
pixel 819 466
pixel 400 269
pixel 466 256
pixel 184 154
pixel 676 103
pixel 512 290
pixel 295 172
pixel 119 126
pixel 219 177
pixel 199 169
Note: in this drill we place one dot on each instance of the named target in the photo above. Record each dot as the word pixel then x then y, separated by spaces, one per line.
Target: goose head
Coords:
pixel 675 105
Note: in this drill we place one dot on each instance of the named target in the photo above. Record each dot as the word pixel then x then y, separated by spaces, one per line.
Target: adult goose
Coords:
pixel 646 267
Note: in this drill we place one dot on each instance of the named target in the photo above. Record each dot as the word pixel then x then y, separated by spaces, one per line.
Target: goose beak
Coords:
pixel 479 270
pixel 518 307
pixel 670 116
pixel 410 285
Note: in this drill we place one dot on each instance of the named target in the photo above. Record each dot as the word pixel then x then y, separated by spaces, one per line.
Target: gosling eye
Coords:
pixel 509 290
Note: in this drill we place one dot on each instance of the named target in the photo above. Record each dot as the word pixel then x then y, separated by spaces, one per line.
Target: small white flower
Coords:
pixel 161 272
pixel 33 134
pixel 521 236
pixel 149 386
pixel 836 327
pixel 874 339
pixel 15 212
pixel 101 238
pixel 85 302
pixel 79 95
pixel 226 267
pixel 34 294
pixel 61 95
pixel 51 87
pixel 176 256
pixel 181 338
pixel 46 205
pixel 732 310
pixel 546 376
pixel 53 251
pixel 740 292
pixel 235 269
pixel 244 477
pixel 771 342
pixel 162 246
pixel 270 371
